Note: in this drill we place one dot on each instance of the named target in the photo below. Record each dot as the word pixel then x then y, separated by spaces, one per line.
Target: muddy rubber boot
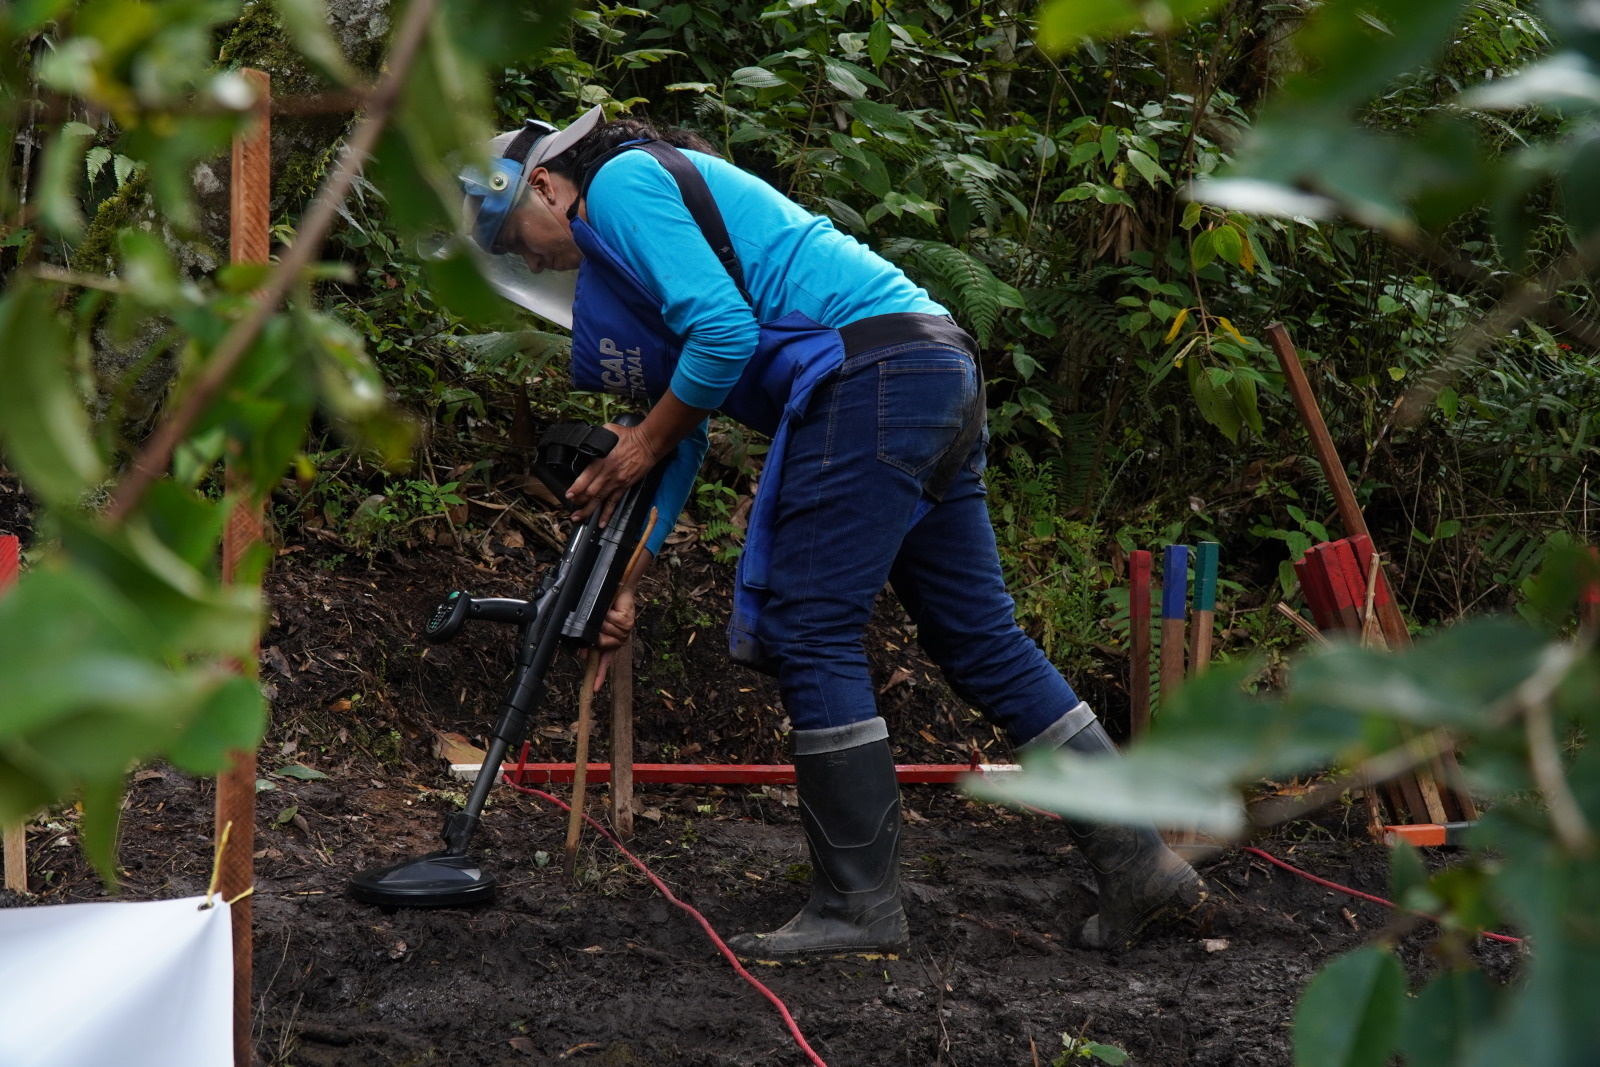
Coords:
pixel 1142 881
pixel 850 808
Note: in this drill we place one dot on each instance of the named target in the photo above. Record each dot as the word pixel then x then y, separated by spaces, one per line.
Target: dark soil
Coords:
pixel 605 969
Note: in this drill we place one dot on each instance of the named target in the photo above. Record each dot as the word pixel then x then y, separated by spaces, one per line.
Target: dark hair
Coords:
pixel 574 164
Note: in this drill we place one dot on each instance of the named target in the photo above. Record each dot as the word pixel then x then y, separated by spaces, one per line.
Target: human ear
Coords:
pixel 541 186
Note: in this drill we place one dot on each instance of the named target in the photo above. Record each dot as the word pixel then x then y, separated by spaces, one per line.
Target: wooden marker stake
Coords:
pixel 1174 608
pixel 622 740
pixel 580 763
pixel 1139 642
pixel 1205 606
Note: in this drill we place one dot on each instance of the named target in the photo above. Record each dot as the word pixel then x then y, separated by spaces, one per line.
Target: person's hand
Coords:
pixel 614 631
pixel 607 477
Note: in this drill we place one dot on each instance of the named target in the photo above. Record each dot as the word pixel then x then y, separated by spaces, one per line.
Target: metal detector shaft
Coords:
pixel 571 607
pixel 536 649
pixel 568 608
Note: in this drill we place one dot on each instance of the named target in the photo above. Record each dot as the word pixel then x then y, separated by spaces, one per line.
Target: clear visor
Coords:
pixel 548 294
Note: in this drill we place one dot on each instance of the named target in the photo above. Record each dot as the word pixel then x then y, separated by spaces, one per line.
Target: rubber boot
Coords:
pixel 850 809
pixel 1142 881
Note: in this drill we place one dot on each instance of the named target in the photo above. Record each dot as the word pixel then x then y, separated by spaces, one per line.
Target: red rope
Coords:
pixel 722 947
pixel 1308 876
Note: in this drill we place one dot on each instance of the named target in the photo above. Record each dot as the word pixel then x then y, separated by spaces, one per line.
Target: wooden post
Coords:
pixel 1205 606
pixel 622 740
pixel 1344 497
pixel 1174 608
pixel 580 764
pixel 1139 642
pixel 250 240
pixel 13 836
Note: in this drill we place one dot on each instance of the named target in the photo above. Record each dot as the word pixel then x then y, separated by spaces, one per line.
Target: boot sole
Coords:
pixel 827 952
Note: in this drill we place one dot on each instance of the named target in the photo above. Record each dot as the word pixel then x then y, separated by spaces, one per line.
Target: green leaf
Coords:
pixel 102 812
pixel 1064 23
pixel 59 179
pixel 1349 1016
pixel 1026 365
pixel 1443 1021
pixel 231 720
pixel 304 773
pixel 845 77
pixel 757 78
pixel 1110 1054
pixel 1228 243
pixel 878 42
pixel 307 23
pixel 1148 168
pixel 1406 872
pixel 44 427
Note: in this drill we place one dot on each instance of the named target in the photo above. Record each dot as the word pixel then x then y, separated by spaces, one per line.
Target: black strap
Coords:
pixel 531 133
pixel 696 197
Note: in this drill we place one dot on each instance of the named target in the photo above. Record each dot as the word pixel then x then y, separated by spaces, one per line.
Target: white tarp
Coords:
pixel 146 984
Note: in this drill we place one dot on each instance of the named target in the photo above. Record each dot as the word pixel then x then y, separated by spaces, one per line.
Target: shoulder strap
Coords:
pixel 696 197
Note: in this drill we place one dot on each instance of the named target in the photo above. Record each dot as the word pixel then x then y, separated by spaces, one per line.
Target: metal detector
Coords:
pixel 567 610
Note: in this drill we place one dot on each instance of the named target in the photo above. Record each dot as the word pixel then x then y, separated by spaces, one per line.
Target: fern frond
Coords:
pixel 957 279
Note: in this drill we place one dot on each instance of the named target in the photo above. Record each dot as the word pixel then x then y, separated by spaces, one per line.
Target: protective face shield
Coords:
pixel 492 197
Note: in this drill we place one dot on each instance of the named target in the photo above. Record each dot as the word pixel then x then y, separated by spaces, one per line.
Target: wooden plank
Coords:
pixel 250 241
pixel 1344 497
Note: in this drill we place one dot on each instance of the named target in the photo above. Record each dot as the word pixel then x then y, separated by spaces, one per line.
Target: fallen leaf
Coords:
pixel 898 678
pixel 300 771
pixel 398 950
pixel 1214 944
pixel 524 1044
pixel 147 775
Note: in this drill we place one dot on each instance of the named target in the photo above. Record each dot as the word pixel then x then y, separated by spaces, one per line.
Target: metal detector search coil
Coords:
pixel 567 609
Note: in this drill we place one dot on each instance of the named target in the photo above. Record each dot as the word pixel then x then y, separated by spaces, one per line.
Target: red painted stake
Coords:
pixel 1139 642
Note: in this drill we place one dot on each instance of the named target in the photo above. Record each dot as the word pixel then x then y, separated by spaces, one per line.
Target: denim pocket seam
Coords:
pixel 952 423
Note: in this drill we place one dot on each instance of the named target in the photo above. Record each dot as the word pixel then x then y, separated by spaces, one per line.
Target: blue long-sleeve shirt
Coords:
pixel 792 260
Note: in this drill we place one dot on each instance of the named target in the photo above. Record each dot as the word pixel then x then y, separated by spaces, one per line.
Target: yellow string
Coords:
pixel 216 863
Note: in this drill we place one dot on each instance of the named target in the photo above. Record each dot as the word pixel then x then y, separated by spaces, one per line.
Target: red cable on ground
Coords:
pixel 1308 876
pixel 794 1028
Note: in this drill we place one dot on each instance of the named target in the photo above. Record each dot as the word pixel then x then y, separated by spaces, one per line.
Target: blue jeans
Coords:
pixel 852 514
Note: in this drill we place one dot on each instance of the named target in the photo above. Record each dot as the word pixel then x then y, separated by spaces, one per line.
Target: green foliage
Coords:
pixel 1075 1050
pixel 119 643
pixel 1511 695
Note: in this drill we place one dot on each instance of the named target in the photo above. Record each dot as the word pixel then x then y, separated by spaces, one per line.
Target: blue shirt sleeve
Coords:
pixel 676 482
pixel 636 207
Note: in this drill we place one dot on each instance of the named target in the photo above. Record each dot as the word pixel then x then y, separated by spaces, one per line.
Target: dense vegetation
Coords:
pixel 1042 199
pixel 1406 185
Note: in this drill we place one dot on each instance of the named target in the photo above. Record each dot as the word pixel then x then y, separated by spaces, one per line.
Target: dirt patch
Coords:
pixel 605 970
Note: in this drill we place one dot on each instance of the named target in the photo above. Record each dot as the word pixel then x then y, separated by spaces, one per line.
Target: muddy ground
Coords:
pixel 604 970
